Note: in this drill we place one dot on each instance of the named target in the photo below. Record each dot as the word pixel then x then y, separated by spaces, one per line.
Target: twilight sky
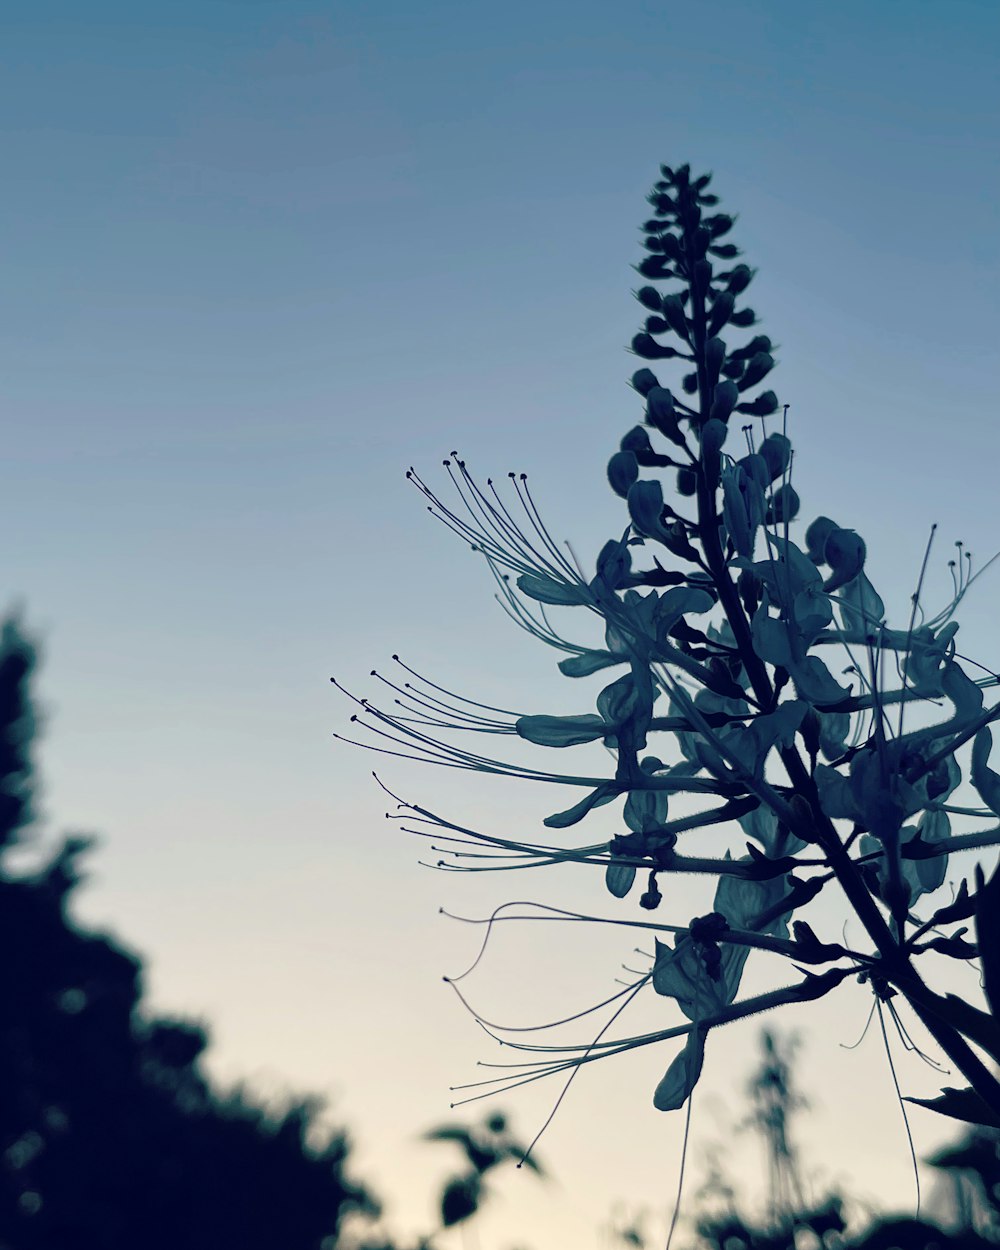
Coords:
pixel 258 259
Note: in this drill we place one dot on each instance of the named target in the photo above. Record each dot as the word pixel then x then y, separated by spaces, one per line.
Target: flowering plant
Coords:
pixel 733 701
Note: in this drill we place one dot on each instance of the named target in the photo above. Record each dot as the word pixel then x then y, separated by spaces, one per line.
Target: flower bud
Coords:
pixel 673 310
pixel 724 401
pixel 650 298
pixel 721 311
pixel 758 367
pixel 623 470
pixel 643 381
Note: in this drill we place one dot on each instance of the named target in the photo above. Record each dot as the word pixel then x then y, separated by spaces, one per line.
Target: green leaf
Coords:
pixel 682 1076
pixel 560 731
pixel 619 878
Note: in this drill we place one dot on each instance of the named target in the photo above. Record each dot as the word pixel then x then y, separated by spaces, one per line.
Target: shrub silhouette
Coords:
pixel 111 1135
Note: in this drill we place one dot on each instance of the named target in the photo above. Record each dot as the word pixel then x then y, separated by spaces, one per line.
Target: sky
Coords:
pixel 259 258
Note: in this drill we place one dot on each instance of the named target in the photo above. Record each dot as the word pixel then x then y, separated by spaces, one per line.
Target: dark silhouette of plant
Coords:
pixel 485 1146
pixel 732 715
pixel 111 1135
pixel 773 1101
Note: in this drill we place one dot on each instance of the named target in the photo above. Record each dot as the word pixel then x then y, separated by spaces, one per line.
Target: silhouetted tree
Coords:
pixel 111 1136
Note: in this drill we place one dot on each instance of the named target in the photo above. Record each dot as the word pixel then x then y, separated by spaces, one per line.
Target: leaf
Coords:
pixel 589 662
pixel 770 638
pixel 596 798
pixel 988 934
pixel 986 781
pixel 960 1104
pixel 963 907
pixel 460 1199
pixel 835 795
pixel 548 590
pixel 619 878
pixel 682 1076
pixel 560 731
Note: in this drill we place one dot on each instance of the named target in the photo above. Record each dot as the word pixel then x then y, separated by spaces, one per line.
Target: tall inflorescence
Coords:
pixel 727 713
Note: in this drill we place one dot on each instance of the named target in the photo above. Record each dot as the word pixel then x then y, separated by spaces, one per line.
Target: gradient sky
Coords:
pixel 258 258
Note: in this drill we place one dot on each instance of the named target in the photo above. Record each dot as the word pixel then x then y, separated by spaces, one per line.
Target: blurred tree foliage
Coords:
pixel 111 1135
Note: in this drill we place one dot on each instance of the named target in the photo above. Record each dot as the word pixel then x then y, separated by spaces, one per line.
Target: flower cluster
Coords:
pixel 759 686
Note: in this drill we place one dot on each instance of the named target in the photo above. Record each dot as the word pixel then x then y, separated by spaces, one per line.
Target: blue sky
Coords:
pixel 258 259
